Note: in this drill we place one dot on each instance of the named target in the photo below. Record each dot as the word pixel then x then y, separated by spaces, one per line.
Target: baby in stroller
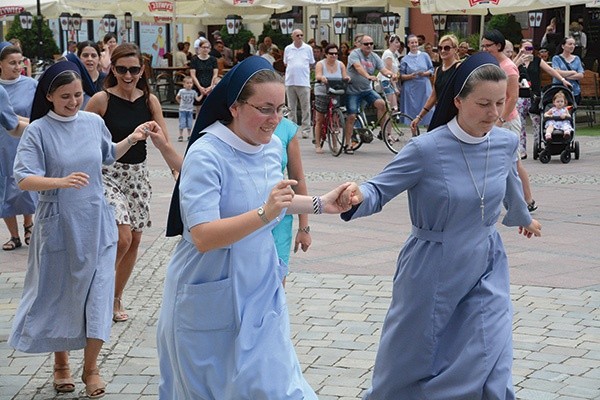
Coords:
pixel 560 109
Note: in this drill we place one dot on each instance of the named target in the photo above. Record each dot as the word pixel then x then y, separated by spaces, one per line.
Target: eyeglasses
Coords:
pixel 121 70
pixel 282 110
pixel 488 45
pixel 300 35
pixel 367 43
pixel 529 48
pixel 446 48
pixel 333 54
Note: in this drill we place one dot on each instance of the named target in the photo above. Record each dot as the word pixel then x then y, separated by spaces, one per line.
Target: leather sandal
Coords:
pixel 119 315
pixel 93 390
pixel 63 385
pixel 27 234
pixel 13 243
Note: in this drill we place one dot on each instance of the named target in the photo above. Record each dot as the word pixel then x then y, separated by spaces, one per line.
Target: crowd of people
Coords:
pixel 74 152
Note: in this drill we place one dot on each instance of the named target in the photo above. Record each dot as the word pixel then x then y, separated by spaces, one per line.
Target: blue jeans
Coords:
pixel 186 119
pixel 355 99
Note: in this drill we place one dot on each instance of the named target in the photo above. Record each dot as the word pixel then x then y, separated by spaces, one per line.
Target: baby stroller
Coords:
pixel 558 144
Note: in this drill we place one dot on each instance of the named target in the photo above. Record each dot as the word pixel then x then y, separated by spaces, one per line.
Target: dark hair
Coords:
pixel 485 73
pixel 8 50
pixel 180 46
pixel 495 36
pixel 62 79
pixel 109 36
pixel 122 51
pixel 87 43
pixel 331 46
pixel 263 76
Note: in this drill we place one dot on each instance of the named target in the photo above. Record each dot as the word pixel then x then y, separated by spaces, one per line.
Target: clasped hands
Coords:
pixel 338 200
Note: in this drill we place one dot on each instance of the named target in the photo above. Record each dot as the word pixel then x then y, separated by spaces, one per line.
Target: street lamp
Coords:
pixel 313 22
pixel 286 24
pixel 26 20
pixel 274 21
pixel 340 23
pixel 75 24
pixel 110 22
pixel 233 23
pixel 128 24
pixel 439 23
pixel 388 22
pixel 65 26
pixel 535 19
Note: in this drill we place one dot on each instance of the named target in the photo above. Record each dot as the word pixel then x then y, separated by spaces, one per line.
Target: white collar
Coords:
pixel 10 81
pixel 60 118
pixel 226 135
pixel 463 136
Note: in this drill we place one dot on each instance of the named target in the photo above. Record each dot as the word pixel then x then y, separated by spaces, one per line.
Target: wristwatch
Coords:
pixel 389 76
pixel 261 213
pixel 306 229
pixel 502 120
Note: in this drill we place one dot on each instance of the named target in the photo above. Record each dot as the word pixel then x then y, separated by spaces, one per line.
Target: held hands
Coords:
pixel 76 180
pixel 342 198
pixel 534 229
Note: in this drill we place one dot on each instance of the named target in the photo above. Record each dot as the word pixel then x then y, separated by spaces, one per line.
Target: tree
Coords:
pixel 278 38
pixel 508 25
pixel 236 42
pixel 29 38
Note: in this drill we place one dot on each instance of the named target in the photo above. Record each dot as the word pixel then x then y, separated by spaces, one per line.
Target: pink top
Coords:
pixel 511 69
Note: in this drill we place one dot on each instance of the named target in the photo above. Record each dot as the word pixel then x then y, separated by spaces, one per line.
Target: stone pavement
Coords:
pixel 339 291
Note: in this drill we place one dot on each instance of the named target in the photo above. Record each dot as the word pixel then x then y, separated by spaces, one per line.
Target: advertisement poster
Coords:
pixel 153 40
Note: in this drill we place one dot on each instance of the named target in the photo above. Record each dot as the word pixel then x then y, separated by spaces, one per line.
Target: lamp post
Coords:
pixel 26 20
pixel 75 24
pixel 274 21
pixel 352 25
pixel 340 24
pixel 286 23
pixel 110 22
pixel 128 24
pixel 535 20
pixel 313 22
pixel 388 22
pixel 233 23
pixel 65 25
pixel 439 24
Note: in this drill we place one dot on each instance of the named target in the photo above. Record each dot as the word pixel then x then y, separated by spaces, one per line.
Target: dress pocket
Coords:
pixel 206 306
pixel 51 237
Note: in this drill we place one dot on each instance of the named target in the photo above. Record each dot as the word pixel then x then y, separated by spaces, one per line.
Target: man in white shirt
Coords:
pixel 298 57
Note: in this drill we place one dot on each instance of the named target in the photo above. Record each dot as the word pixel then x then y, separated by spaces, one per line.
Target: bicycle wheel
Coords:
pixel 335 132
pixel 357 141
pixel 396 131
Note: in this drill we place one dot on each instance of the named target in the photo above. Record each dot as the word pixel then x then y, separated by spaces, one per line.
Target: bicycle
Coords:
pixel 332 128
pixel 395 133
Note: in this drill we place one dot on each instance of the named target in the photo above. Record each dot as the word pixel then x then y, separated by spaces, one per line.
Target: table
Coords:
pixel 169 74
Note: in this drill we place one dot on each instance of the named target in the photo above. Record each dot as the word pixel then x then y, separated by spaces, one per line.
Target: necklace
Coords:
pixel 481 194
pixel 260 194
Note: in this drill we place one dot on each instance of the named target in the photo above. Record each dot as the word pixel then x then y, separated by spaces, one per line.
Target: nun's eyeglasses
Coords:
pixel 282 110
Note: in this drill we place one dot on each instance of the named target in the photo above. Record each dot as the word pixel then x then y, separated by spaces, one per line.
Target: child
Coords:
pixel 561 110
pixel 185 97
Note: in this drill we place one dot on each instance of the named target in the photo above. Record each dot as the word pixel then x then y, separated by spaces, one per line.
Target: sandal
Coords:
pixel 120 315
pixel 27 234
pixel 531 207
pixel 13 243
pixel 180 139
pixel 348 150
pixel 93 390
pixel 63 385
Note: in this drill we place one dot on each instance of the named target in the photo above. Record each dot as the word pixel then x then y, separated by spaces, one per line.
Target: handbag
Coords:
pixel 535 104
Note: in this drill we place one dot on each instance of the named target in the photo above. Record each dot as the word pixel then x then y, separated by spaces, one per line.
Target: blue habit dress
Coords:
pixel 15 201
pixel 223 330
pixel 69 285
pixel 448 331
pixel 415 92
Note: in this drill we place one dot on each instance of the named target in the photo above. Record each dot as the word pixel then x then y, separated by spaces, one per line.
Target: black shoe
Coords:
pixel 524 157
pixel 531 206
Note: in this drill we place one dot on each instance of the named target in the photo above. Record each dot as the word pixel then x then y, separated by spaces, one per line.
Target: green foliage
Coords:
pixel 29 38
pixel 473 41
pixel 278 38
pixel 508 25
pixel 235 42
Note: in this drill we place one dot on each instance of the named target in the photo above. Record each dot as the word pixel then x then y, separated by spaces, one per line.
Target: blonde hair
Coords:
pixel 560 93
pixel 451 37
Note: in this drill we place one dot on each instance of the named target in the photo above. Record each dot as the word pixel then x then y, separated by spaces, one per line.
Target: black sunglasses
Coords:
pixel 446 48
pixel 333 54
pixel 368 44
pixel 121 70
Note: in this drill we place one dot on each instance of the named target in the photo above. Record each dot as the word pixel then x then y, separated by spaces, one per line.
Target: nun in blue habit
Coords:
pixel 223 331
pixel 448 330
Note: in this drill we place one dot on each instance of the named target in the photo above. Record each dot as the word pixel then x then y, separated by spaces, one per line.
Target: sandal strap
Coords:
pixel 27 228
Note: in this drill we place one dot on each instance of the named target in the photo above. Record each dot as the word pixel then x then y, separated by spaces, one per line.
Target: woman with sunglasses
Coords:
pixel 124 104
pixel 415 70
pixel 448 53
pixel 530 69
pixel 329 68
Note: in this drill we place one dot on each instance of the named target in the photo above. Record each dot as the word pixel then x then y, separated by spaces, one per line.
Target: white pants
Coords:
pixel 299 95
